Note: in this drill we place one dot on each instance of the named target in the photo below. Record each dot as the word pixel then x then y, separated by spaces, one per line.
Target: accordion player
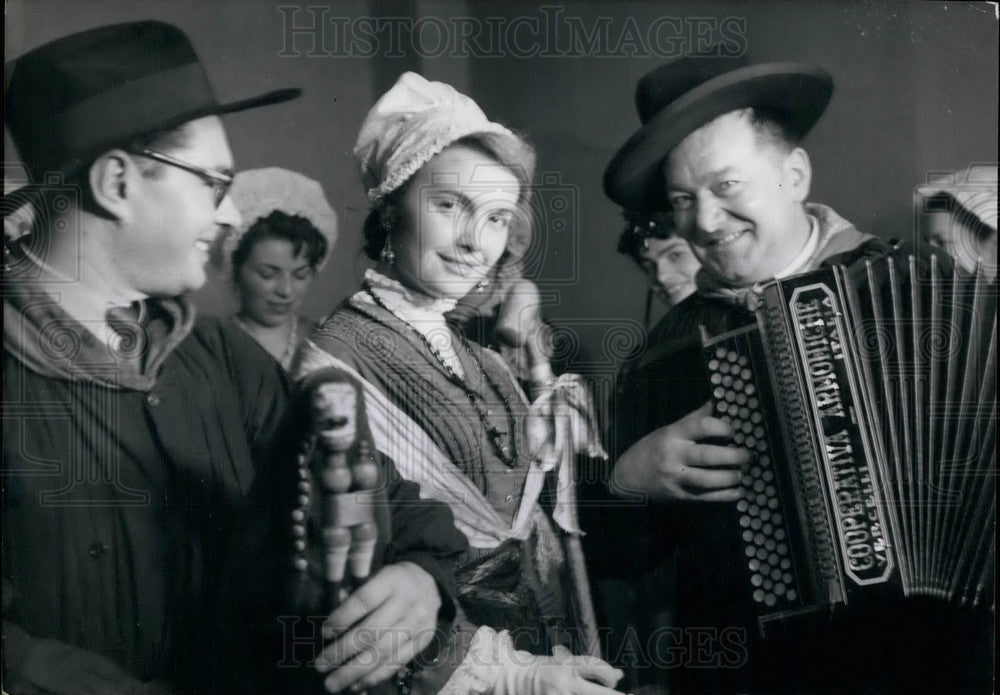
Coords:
pixel 865 536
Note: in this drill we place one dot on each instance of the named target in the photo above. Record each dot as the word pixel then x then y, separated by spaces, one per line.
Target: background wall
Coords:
pixel 916 93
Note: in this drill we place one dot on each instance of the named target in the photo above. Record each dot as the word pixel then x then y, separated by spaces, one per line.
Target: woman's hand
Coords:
pixel 559 674
pixel 674 463
pixel 380 628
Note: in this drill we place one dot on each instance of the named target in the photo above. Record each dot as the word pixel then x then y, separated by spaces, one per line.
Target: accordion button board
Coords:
pixel 868 398
pixel 761 515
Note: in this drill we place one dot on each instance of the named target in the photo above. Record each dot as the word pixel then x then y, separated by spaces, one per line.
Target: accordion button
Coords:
pixel 758 595
pixel 716 378
pixel 738 385
pixel 749 551
pixel 776 574
pixel 759 539
pixel 779 534
pixel 732 356
pixel 744 521
pixel 747 536
pixel 713 365
pixel 782 549
pixel 761 554
pixel 742 505
pixel 301 564
pixel 300 545
pixel 770 600
pixel 767 585
pixel 756 580
pixel 770 546
pixel 743 361
pixel 787 577
pixel 298 515
pixel 756 417
pixel 299 530
pixel 746 374
pixel 720 352
pixel 779 589
pixel 741 399
pixel 791 595
pixel 751 390
pixel 719 392
pixel 785 564
pixel 727 381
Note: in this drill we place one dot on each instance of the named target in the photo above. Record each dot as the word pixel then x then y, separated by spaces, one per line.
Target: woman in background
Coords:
pixel 446 187
pixel 288 231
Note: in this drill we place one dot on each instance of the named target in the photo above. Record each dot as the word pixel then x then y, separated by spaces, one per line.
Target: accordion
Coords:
pixel 868 394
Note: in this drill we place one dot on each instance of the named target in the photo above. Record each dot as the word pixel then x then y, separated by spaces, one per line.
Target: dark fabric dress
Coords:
pixel 519 585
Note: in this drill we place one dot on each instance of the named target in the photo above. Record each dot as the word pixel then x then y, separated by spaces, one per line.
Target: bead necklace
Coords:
pixel 506 453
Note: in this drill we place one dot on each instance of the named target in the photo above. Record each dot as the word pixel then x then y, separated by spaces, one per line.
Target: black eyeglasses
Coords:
pixel 219 182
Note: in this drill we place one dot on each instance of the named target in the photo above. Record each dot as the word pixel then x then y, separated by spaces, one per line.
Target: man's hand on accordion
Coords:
pixel 683 461
pixel 380 628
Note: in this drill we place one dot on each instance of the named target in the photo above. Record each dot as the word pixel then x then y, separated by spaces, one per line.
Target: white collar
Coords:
pixel 399 297
pixel 422 313
pixel 802 259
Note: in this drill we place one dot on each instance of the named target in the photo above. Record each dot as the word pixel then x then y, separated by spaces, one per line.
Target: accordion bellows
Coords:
pixel 868 394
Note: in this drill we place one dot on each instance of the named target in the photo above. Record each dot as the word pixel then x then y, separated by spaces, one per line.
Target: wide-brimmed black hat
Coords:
pixel 73 98
pixel 677 98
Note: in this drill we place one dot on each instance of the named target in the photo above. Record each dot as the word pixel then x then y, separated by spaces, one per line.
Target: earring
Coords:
pixel 482 284
pixel 388 256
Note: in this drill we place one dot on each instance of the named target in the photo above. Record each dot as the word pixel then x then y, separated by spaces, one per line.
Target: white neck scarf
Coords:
pixel 422 313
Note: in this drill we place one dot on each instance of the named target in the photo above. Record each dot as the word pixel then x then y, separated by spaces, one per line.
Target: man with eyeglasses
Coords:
pixel 133 433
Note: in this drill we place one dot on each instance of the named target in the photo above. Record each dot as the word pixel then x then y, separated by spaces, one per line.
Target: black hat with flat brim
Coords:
pixel 73 98
pixel 678 98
